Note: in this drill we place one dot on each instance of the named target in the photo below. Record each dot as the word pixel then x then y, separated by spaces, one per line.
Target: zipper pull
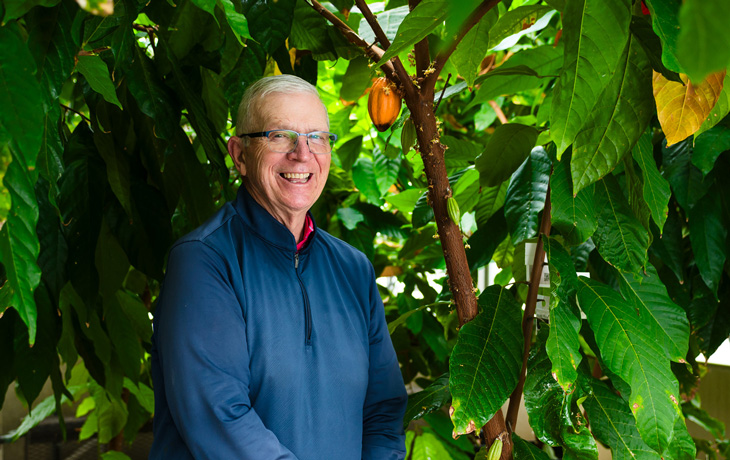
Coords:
pixel 296 260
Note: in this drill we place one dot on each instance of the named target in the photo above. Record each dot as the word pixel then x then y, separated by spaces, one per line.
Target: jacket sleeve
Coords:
pixel 200 336
pixel 386 398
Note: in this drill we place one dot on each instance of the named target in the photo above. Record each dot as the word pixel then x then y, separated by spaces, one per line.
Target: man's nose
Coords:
pixel 301 150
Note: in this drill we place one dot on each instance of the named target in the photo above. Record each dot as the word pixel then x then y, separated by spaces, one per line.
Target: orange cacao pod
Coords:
pixel 383 103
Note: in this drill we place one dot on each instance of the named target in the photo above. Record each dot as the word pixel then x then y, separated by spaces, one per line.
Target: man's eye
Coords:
pixel 316 136
pixel 278 135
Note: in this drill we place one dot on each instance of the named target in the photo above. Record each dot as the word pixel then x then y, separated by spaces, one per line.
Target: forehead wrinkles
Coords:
pixel 266 115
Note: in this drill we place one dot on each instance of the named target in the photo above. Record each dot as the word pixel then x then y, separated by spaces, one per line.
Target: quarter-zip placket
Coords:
pixel 307 309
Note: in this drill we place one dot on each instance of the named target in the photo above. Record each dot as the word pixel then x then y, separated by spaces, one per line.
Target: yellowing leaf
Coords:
pixel 682 108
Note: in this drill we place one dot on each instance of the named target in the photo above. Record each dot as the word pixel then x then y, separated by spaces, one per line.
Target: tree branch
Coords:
pixel 405 82
pixel 372 51
pixel 529 316
pixel 423 56
pixel 470 22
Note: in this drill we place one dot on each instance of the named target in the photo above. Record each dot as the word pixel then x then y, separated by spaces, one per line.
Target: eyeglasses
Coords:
pixel 286 140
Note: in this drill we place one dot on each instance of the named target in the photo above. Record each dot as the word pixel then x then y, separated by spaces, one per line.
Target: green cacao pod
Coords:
pixel 453 208
pixel 495 450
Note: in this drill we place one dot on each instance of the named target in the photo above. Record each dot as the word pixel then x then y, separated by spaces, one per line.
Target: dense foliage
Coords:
pixel 595 129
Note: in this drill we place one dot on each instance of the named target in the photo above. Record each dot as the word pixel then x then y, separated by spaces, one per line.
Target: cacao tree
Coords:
pixel 585 133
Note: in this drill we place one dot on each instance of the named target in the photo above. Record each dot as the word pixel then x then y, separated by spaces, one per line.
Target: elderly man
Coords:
pixel 270 340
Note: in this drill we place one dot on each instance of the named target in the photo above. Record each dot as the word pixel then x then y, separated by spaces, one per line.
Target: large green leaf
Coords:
pixel 471 49
pixel 485 240
pixel 486 360
pixel 717 328
pixel 641 28
pixel 428 400
pixel 19 246
pixel 53 248
pixel 665 21
pixel 553 413
pixel 523 450
pixel 526 195
pixel 544 61
pixel 708 146
pixel 620 238
pixel 426 446
pixel 618 119
pixel 648 295
pixel 702 28
pixel 389 21
pixel 507 148
pixel 614 424
pixel 309 32
pixel 631 347
pixel 269 22
pixel 491 199
pixel 124 339
pixel 97 75
pixel 562 345
pixel 385 170
pixel 656 188
pixel 21 98
pixel 573 214
pixel 684 177
pixel 708 234
pixel 595 33
pixel 236 20
pixel 515 21
pixel 669 246
pixel 420 22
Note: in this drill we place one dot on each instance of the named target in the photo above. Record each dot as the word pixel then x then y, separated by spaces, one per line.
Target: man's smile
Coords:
pixel 297 178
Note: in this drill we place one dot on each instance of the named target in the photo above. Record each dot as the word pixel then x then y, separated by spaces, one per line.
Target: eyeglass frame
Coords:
pixel 265 134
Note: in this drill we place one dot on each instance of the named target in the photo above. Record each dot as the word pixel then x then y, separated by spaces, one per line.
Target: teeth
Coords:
pixel 296 175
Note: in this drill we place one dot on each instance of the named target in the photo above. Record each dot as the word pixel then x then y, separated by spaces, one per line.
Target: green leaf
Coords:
pixel 634 184
pixel 574 215
pixel 17 9
pixel 701 28
pixel 485 240
pixel 40 412
pixel 309 32
pixel 356 79
pixel 617 121
pixel 684 177
pixel 656 188
pixel 513 76
pixel 620 238
pixel 21 98
pixel 269 22
pixel 664 16
pixel 491 199
pixel 553 413
pixel 631 348
pixel 506 150
pixel 708 146
pixel 19 246
pixel 428 400
pixel 460 153
pixel 97 75
pixel 110 412
pixel 595 33
pixel 563 345
pixel 427 446
pixel 364 178
pixel 123 338
pixel 350 217
pixel 389 21
pixel 137 314
pixel 642 30
pixel 486 360
pixel 526 195
pixel 236 20
pixel 471 49
pixel 114 455
pixel 515 21
pixel 613 423
pixel 523 450
pixel 650 300
pixel 683 445
pixel 668 246
pixel 420 22
pixel 708 234
pixel 721 108
pixel 385 170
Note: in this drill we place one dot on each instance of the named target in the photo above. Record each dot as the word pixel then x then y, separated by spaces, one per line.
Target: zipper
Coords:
pixel 307 308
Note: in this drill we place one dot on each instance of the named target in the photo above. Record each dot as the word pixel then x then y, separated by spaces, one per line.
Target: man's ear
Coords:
pixel 235 150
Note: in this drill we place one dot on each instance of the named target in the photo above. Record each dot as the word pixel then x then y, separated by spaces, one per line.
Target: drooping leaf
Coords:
pixel 701 29
pixel 309 32
pixel 634 183
pixel 19 246
pixel 614 424
pixel 385 170
pixel 620 238
pixel 553 413
pixel 42 411
pixel 269 22
pixel 20 96
pixel 573 214
pixel 693 412
pixel 491 199
pixel 523 450
pixel 665 21
pixel 53 247
pixel 642 30
pixel 717 329
pixel 486 239
pixel 428 400
pixel 14 10
pixel 473 47
pixel 526 195
pixel 595 33
pixel 656 188
pixel 618 119
pixel 708 234
pixel 364 178
pixel 507 148
pixel 562 345
pixel 236 20
pixel 420 22
pixel 708 146
pixel 649 297
pixel 684 177
pixel 97 75
pixel 668 246
pixel 683 108
pixel 485 363
pixel 632 349
pixel 516 20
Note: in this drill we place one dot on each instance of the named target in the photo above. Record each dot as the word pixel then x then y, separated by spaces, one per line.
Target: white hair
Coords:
pixel 257 91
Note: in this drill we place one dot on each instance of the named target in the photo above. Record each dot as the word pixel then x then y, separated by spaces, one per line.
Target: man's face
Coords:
pixel 285 184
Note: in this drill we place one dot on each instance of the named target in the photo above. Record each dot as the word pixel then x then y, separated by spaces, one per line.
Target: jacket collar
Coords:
pixel 264 224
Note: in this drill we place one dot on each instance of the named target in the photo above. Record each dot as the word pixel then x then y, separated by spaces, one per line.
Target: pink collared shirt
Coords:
pixel 308 229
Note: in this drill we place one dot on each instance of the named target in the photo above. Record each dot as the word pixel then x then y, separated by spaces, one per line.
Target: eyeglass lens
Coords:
pixel 285 141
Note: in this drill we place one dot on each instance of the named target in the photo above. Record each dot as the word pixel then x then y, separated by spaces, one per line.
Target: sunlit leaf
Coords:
pixel 683 108
pixel 665 21
pixel 472 48
pixel 516 20
pixel 486 360
pixel 702 28
pixel 595 34
pixel 420 22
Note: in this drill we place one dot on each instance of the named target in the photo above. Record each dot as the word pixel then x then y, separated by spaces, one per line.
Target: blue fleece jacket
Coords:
pixel 261 352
